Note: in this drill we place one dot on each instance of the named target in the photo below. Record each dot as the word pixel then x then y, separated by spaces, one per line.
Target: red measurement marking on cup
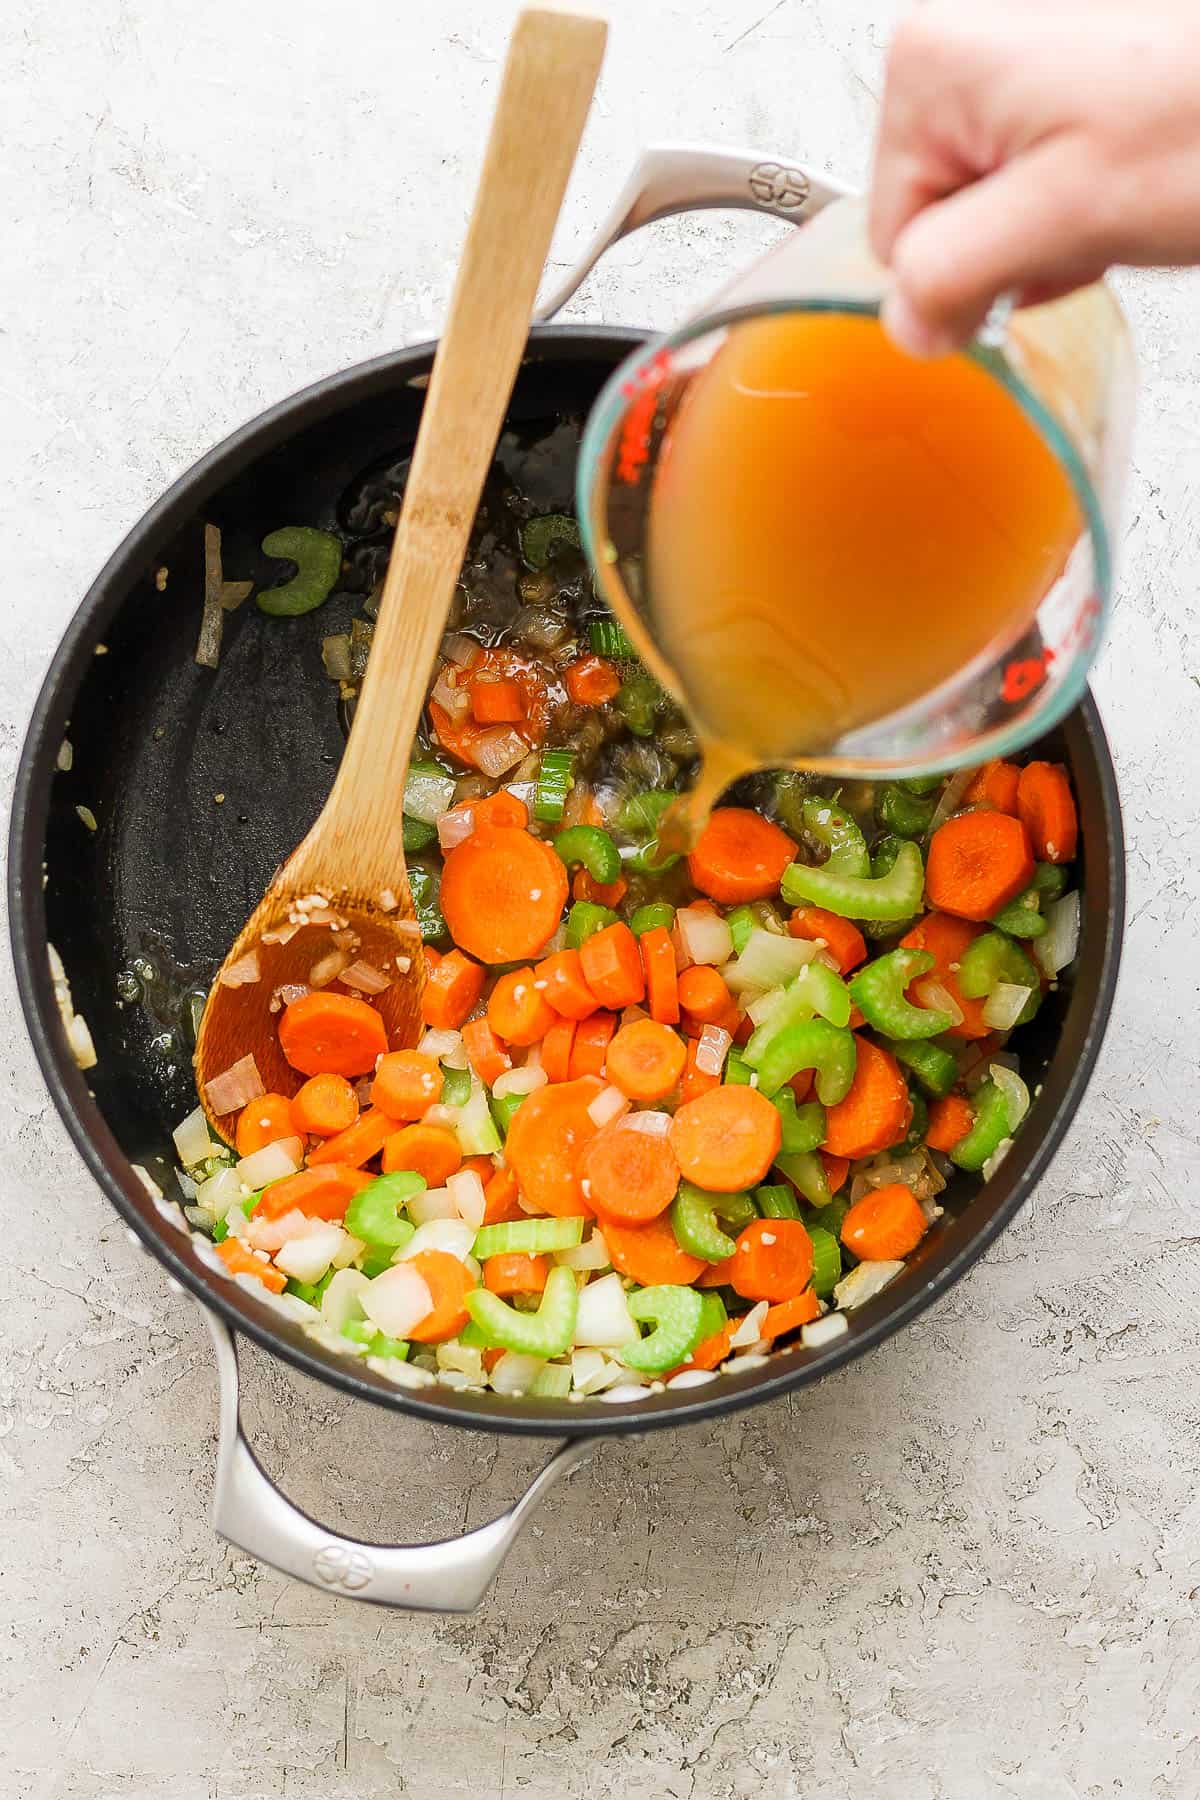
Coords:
pixel 1025 675
pixel 633 450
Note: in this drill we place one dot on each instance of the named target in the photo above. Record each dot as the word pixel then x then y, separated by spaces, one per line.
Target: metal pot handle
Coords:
pixel 674 178
pixel 249 1511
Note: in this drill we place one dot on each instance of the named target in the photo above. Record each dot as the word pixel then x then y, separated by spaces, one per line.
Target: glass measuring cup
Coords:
pixel 1068 366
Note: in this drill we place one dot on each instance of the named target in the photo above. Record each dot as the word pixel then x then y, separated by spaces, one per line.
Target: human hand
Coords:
pixel 1027 145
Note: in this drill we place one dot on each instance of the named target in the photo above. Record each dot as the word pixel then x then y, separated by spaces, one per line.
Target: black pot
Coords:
pixel 155 739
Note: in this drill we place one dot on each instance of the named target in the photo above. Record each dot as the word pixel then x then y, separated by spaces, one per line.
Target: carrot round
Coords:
pixel 646 1060
pixel 331 1034
pixel 945 938
pixel 449 1281
pixel 515 1272
pixel 265 1121
pixel 836 1170
pixel 978 862
pixel 325 1105
pixel 739 856
pixel 789 1315
pixel 500 1197
pixel 703 994
pixel 545 1142
pixel 696 1081
pixel 591 681
pixel 562 981
pixel 453 984
pixel 885 1225
pixel 500 808
pixel 727 1139
pixel 996 786
pixel 841 937
pixel 773 1260
pixel 589 1047
pixel 649 1254
pixel 950 1119
pixel 428 1150
pixel 518 1011
pixel 1047 809
pixel 612 966
pixel 241 1261
pixel 407 1083
pixel 662 981
pixel 712 1351
pixel 497 702
pixel 502 894
pixel 875 1113
pixel 485 1053
pixel 556 1049
pixel 601 893
pixel 359 1143
pixel 629 1174
pixel 322 1193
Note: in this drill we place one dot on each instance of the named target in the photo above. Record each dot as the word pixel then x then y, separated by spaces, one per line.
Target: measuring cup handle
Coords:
pixel 676 178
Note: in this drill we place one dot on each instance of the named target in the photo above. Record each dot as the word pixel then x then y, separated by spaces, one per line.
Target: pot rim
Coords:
pixel 143 1215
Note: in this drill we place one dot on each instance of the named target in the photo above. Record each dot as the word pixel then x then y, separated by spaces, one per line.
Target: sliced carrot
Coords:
pixel 841 937
pixel 518 1010
pixel 885 1225
pixel 325 1105
pixel 556 1049
pixel 696 1081
pixel 739 856
pixel 500 1198
pixel 649 1254
pixel 491 1357
pixel 710 1352
pixel 945 938
pixel 449 1281
pixel 496 702
pixel 485 1053
pixel 716 1275
pixel 836 1170
pixel 589 1048
pixel 612 967
pixel 789 1315
pixel 646 1060
pixel 857 1018
pixel 359 1143
pixel 515 1272
pixel 773 1259
pixel 565 986
pixel 501 808
pixel 545 1142
pixel 462 737
pixel 591 681
pixel 240 1261
pixel 802 1085
pixel 726 1139
pixel 453 985
pixel 950 1119
pixel 322 1193
pixel 265 1121
pixel 502 893
pixel 602 893
pixel 978 862
pixel 875 1113
pixel 407 1083
pixel 1047 808
pixel 662 981
pixel 331 1034
pixel 703 994
pixel 995 786
pixel 428 1150
pixel 628 1173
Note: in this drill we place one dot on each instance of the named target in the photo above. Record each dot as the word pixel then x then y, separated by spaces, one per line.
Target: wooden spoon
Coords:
pixel 345 887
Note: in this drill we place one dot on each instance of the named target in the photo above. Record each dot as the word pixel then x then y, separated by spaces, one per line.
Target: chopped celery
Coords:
pixel 503 1110
pixel 318 559
pixel 933 1067
pixel 918 1123
pixel 894 896
pixel 536 1237
pixel 456 1086
pixel 608 638
pixel 992 958
pixel 545 1333
pixel 375 1259
pixel 374 1212
pixel 833 827
pixel 776 1200
pixel 376 1343
pixel 474 1127
pixel 310 1291
pixel 991 1127
pixel 541 539
pixel 424 888
pixel 903 812
pixel 556 777
pixel 694 1216
pixel 677 1314
pixel 584 920
pixel 592 848
pixel 639 702
pixel 737 1070
pixel 654 916
pixel 713 1316
pixel 552 1381
pixel 741 922
pixel 803 1124
pixel 827 1261
pixel 417 835
pixel 806 1172
pixel 811 1044
pixel 878 992
pixel 922 784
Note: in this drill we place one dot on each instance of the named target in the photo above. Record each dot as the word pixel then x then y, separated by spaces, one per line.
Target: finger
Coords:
pixel 916 160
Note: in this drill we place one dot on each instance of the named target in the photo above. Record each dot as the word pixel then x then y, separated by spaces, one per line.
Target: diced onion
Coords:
pixel 768 961
pixel 460 649
pixel 864 1282
pixel 327 968
pixel 1057 947
pixel 591 1371
pixel 192 1141
pixel 937 997
pixel 465 1358
pixel 653 1123
pixel 1014 1090
pixel 626 1390
pixel 455 827
pixel 80 1042
pixel 513 1372
pixel 711 1050
pixel 604 1320
pixel 342 1299
pixel 366 978
pixel 592 1254
pixel 886 1171
pixel 307 1258
pixel 704 934
pixel 218 1193
pixel 242 972
pixel 290 992
pixel 499 750
pixel 692 1378
pixel 1005 1004
pixel 270 1234
pixel 446 1116
pixel 234 1087
pixel 763 1005
pixel 748 1330
pixel 524 1080
pixel 271 1163
pixel 427 796
pixel 447 693
pixel 824 1330
pixel 454 1236
pixel 396 1300
pixel 954 790
pixel 608 1105
pixel 466 1191
pixel 430 1204
pixel 444 1047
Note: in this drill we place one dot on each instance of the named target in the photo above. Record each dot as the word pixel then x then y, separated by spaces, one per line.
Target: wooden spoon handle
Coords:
pixel 550 73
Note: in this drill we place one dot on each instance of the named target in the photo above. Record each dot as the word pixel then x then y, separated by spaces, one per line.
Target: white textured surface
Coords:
pixel 966 1567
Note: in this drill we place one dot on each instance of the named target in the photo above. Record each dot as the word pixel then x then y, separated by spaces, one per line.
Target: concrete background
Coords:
pixel 967 1567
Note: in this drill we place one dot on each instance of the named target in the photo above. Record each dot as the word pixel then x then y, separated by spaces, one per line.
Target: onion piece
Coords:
pixel 822 1331
pixel 692 1378
pixel 711 1050
pixel 591 1371
pixel 748 1329
pixel 241 973
pixel 271 1163
pixel 455 827
pixel 235 1086
pixel 952 794
pixel 499 750
pixel 430 1204
pixel 524 1080
pixel 218 1193
pixel 328 968
pixel 652 1122
pixel 705 935
pixel 1058 946
pixel 591 1254
pixel 935 995
pixel 864 1282
pixel 271 1234
pixel 610 1103
pixel 192 1142
pixel 459 649
pixel 1005 1004
pixel 768 961
pixel 465 1359
pixel 288 993
pixel 604 1320
pixel 466 1191
pixel 396 1300
pixel 307 1258
pixel 342 1299
pixel 454 1236
pixel 1014 1090
pixel 513 1373
pixel 444 1047
pixel 366 978
pixel 447 694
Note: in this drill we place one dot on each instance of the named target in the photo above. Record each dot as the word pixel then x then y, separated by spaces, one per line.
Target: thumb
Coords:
pixel 1033 226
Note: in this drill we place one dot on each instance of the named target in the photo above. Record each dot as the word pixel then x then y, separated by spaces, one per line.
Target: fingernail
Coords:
pixel 909 330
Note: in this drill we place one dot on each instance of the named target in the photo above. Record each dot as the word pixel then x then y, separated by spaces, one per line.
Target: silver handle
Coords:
pixel 249 1511
pixel 675 178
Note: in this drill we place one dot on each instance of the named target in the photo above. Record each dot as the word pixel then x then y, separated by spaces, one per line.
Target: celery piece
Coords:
pixel 546 1332
pixel 536 1237
pixel 677 1315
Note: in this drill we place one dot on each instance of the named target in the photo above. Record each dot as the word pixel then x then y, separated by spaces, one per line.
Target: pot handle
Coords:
pixel 250 1512
pixel 675 178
